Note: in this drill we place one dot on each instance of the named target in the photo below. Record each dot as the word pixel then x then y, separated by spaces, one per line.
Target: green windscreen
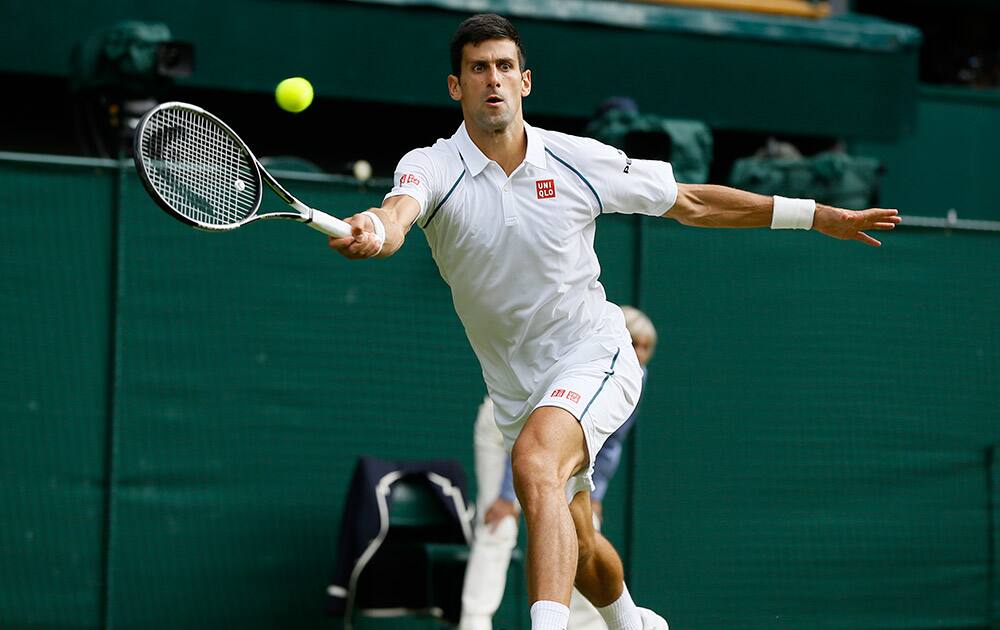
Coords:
pixel 182 410
pixel 56 258
pixel 255 367
pixel 817 429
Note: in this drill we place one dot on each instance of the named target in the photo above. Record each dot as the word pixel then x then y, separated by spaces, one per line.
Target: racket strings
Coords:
pixel 199 169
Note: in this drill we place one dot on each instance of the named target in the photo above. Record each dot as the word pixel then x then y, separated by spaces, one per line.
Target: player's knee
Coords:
pixel 533 472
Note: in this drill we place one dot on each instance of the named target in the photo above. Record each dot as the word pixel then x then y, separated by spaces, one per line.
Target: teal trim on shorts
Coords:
pixel 453 187
pixel 610 373
pixel 580 175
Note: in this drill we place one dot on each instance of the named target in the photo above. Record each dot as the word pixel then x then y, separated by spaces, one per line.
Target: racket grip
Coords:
pixel 331 226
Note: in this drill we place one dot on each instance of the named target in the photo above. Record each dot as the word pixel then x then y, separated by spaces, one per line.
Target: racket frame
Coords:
pixel 315 219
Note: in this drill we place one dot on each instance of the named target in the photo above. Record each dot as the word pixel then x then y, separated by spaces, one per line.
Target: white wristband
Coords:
pixel 792 214
pixel 379 228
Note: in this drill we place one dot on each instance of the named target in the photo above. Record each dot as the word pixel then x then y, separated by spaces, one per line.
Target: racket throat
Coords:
pixel 295 216
pixel 305 212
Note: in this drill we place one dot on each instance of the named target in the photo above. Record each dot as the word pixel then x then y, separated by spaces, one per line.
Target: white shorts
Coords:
pixel 600 393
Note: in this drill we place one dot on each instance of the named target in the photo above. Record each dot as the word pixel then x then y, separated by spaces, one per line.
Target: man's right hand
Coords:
pixel 362 243
pixel 499 510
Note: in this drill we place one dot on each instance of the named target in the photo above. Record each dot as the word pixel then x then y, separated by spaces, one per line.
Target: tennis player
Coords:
pixel 509 212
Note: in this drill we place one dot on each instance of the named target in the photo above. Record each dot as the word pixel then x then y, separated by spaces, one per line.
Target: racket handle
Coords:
pixel 331 226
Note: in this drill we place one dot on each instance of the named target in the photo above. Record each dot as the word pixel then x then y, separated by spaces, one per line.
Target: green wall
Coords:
pixel 949 161
pixel 176 442
pixel 825 416
pixel 54 392
pixel 723 68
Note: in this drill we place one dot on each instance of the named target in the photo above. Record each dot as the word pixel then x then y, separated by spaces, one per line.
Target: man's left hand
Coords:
pixel 852 224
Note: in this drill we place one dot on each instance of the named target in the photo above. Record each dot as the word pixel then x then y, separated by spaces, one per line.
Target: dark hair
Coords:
pixel 480 28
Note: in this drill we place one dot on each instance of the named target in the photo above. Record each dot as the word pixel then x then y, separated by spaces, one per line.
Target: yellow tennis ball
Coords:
pixel 294 94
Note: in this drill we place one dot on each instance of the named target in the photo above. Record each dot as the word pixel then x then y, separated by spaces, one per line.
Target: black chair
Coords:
pixel 416 569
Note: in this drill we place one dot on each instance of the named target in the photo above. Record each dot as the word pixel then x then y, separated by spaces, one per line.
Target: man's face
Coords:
pixel 492 84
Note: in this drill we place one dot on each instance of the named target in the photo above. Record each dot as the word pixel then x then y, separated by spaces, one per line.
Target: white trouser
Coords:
pixel 583 615
pixel 489 557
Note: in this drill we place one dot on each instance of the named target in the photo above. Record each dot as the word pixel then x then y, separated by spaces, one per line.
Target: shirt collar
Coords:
pixel 536 148
pixel 476 160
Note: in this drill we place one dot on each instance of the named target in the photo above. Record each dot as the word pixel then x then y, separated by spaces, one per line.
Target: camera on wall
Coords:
pixel 119 74
pixel 174 60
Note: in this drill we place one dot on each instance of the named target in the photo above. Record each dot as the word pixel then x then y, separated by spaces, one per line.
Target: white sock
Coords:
pixel 622 614
pixel 548 615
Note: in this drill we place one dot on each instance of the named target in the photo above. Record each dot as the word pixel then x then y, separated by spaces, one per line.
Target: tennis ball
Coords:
pixel 362 170
pixel 294 94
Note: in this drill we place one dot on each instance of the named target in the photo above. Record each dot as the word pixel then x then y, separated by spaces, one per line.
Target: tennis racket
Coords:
pixel 199 171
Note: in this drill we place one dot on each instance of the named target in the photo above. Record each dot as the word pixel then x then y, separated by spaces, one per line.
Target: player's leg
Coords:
pixel 582 614
pixel 599 573
pixel 600 577
pixel 489 557
pixel 549 450
pixel 553 462
pixel 547 453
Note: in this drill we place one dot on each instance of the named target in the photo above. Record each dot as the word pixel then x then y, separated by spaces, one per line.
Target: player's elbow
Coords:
pixel 690 208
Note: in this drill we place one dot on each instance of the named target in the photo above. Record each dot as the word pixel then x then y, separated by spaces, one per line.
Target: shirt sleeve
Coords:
pixel 417 175
pixel 626 185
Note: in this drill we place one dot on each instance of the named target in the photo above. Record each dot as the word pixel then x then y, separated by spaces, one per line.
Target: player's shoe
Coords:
pixel 652 621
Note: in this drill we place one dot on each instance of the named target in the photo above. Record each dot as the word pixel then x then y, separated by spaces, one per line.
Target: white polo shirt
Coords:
pixel 518 251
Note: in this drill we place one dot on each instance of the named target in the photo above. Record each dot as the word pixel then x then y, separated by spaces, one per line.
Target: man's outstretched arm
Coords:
pixel 394 218
pixel 720 206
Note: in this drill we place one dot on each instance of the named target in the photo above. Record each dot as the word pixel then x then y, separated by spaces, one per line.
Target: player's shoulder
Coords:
pixel 566 146
pixel 438 165
pixel 440 153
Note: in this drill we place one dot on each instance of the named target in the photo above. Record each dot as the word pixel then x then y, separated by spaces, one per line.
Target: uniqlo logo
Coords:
pixel 573 397
pixel 406 178
pixel 546 188
pixel 558 393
